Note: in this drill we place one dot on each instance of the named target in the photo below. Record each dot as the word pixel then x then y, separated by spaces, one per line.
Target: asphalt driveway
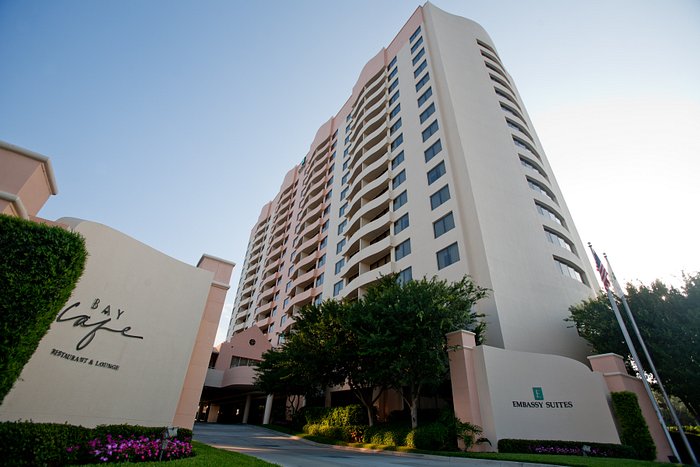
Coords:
pixel 289 451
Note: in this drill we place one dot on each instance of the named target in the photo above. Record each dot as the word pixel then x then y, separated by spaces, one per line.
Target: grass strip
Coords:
pixel 578 461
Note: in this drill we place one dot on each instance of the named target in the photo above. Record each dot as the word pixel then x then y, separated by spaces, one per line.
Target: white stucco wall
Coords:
pixel 573 405
pixel 149 295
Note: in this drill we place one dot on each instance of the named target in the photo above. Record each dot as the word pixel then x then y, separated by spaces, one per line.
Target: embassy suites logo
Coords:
pixel 539 402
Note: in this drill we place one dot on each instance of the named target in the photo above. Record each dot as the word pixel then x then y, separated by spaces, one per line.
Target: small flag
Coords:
pixel 601 269
pixel 615 283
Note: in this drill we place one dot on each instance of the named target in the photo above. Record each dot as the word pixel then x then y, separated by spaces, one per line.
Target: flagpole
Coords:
pixel 620 292
pixel 633 351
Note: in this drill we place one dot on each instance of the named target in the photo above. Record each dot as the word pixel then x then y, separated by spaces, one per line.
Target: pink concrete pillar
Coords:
pixel 461 345
pixel 612 366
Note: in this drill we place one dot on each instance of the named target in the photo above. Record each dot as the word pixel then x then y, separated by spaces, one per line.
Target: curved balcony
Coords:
pixel 311 228
pixel 505 94
pixel 369 88
pixel 377 186
pixel 369 230
pixel 368 254
pixel 309 245
pixel 310 215
pixel 373 170
pixel 303 280
pixel 306 261
pixel 266 294
pixel 351 290
pixel 238 376
pixel 369 117
pixel 369 209
pixel 274 255
pixel 303 298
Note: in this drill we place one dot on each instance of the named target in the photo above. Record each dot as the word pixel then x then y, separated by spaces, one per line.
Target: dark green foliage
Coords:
pixel 669 322
pixel 394 336
pixel 39 267
pixel 348 433
pixel 633 428
pixel 335 416
pixel 431 437
pixel 26 443
pixel 571 448
pixel 386 435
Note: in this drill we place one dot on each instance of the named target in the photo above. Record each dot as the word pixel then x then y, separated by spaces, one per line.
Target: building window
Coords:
pixel 395 127
pixel 290 271
pixel 559 240
pixel 283 320
pixel 439 197
pixel 427 113
pixel 344 180
pixel 447 256
pixel 399 179
pixel 436 172
pixel 403 249
pixel 328 195
pixel 343 208
pixel 395 111
pixel 433 150
pixel 341 226
pixel 337 287
pixel 393 73
pixel 319 280
pixel 420 68
pixel 345 164
pixel 393 85
pixel 430 131
pixel 400 200
pixel 339 246
pixel 425 96
pixel 339 265
pixel 286 288
pixel 535 186
pixel 394 97
pixel 422 81
pixel 397 142
pixel 415 34
pixel 284 305
pixel 347 139
pixel 444 224
pixel 346 152
pixel 273 312
pixel 344 193
pixel 397 160
pixel 326 211
pixel 321 261
pixel 532 167
pixel 318 299
pixel 323 243
pixel 405 276
pixel 549 214
pixel 324 227
pixel 329 182
pixel 416 45
pixel 418 56
pixel 391 63
pixel 569 270
pixel 401 224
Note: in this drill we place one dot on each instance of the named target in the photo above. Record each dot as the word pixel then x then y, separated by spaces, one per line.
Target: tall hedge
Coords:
pixel 633 428
pixel 39 267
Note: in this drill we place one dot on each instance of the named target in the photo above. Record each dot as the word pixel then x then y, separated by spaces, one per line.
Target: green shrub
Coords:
pixel 26 443
pixel 431 437
pixel 633 428
pixel 386 435
pixel 350 415
pixel 39 267
pixel 571 448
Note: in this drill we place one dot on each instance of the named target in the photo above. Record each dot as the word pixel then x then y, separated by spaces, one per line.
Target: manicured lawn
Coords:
pixel 534 458
pixel 207 456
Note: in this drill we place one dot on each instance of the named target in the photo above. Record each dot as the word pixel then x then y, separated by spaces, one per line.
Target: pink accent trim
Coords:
pixel 612 367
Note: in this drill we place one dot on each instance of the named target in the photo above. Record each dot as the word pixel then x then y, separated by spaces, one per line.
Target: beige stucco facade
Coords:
pixel 132 343
pixel 434 137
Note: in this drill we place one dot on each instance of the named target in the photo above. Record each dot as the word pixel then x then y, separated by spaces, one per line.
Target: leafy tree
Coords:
pixel 403 327
pixel 669 322
pixel 394 336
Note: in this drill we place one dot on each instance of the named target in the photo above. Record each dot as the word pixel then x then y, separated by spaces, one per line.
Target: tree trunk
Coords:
pixel 414 412
pixel 370 418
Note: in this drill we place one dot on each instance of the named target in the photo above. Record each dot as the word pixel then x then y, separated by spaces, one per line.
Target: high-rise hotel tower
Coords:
pixel 431 168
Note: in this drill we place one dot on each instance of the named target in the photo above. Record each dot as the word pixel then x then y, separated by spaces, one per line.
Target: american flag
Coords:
pixel 601 270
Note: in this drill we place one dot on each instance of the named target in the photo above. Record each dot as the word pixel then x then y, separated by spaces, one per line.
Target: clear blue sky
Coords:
pixel 175 121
